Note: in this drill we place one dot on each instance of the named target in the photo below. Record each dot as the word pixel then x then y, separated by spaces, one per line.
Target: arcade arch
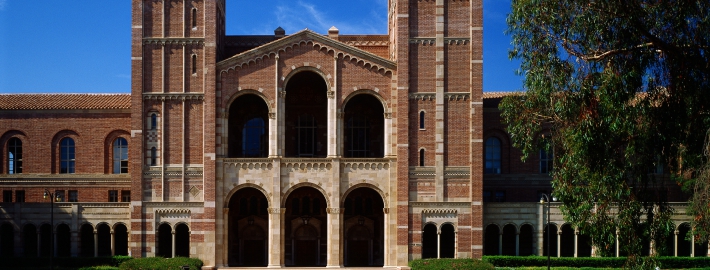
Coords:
pixel 248 225
pixel 306 121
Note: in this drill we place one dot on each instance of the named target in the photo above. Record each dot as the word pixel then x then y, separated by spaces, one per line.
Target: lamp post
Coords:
pixel 544 198
pixel 51 231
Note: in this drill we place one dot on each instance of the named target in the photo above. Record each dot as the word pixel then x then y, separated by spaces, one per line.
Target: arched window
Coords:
pixel 120 156
pixel 194 18
pixel 194 64
pixel 253 141
pixel 306 135
pixel 421 120
pixel 153 121
pixel 492 155
pixel 14 156
pixel 421 157
pixel 67 162
pixel 153 156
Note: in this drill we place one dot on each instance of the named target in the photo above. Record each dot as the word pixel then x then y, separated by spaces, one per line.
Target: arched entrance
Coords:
pixel 104 237
pixel 567 241
pixel 684 245
pixel 63 245
pixel 526 240
pixel 87 240
pixel 120 239
pixel 364 127
pixel 509 233
pixel 491 242
pixel 363 228
pixel 447 241
pixel 182 240
pixel 429 241
pixel 551 234
pixel 30 240
pixel 248 224
pixel 306 116
pixel 7 240
pixel 164 241
pixel 45 236
pixel 306 228
pixel 248 127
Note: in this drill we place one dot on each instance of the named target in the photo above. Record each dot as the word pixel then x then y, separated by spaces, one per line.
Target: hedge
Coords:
pixel 159 263
pixel 446 264
pixel 596 262
pixel 62 262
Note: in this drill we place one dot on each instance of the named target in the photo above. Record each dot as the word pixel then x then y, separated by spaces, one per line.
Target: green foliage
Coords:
pixel 65 262
pixel 159 263
pixel 616 89
pixel 600 262
pixel 446 264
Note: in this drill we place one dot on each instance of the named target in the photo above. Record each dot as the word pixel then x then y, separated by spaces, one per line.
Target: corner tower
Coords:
pixel 175 47
pixel 437 45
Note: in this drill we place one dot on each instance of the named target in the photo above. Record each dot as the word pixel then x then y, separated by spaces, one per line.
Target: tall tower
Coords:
pixel 438 50
pixel 175 46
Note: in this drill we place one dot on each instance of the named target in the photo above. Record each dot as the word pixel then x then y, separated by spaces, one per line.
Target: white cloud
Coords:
pixel 2 4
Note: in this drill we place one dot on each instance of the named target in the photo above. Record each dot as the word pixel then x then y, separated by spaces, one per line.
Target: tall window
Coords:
pixel 421 120
pixel 125 195
pixel 546 157
pixel 306 135
pixel 492 155
pixel 421 157
pixel 120 156
pixel 153 156
pixel 194 64
pixel 357 129
pixel 19 196
pixel 7 196
pixel 73 196
pixel 194 18
pixel 14 160
pixel 253 141
pixel 153 121
pixel 66 156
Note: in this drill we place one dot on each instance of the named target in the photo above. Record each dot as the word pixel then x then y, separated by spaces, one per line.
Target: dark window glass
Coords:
pixel 153 121
pixel 194 64
pixel 306 135
pixel 19 196
pixel 492 155
pixel 66 156
pixel 125 195
pixel 73 196
pixel 120 156
pixel 7 196
pixel 113 195
pixel 500 196
pixel 253 138
pixel 357 130
pixel 153 156
pixel 14 157
pixel 421 157
pixel 421 120
pixel 545 161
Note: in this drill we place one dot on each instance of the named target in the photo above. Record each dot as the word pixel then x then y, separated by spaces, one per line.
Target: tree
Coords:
pixel 618 89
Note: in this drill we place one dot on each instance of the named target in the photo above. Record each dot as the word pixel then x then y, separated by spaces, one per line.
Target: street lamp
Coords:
pixel 51 221
pixel 544 198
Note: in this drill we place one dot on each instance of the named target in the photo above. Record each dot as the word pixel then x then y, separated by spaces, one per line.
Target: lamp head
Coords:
pixel 45 194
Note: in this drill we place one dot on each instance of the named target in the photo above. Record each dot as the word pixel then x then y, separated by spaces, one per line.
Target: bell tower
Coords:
pixel 175 47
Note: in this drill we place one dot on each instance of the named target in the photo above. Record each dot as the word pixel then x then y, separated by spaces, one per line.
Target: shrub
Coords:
pixel 159 263
pixel 446 264
pixel 595 262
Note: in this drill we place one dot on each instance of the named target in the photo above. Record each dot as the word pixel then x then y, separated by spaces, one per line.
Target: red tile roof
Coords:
pixel 64 101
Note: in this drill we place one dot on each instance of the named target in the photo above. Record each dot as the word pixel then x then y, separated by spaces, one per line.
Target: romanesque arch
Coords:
pixel 248 126
pixel 306 115
pixel 363 227
pixel 491 242
pixel 363 126
pixel 306 234
pixel 248 223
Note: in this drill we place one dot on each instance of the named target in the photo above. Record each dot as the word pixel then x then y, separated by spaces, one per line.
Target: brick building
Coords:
pixel 277 150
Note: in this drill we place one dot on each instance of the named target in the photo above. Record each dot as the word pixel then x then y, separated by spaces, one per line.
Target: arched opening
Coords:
pixel 87 241
pixel 120 156
pixel 421 119
pixel 684 243
pixel 364 228
pixel 248 224
pixel 526 239
pixel 182 240
pixel 429 245
pixel 701 249
pixel 306 228
pixel 104 240
pixel 45 236
pixel 491 243
pixel 567 241
pixel 550 234
pixel 7 240
pixel 584 245
pixel 165 241
pixel 64 241
pixel 306 116
pixel 509 233
pixel 421 157
pixel 364 127
pixel 248 127
pixel 14 156
pixel 120 240
pixel 447 241
pixel 29 238
pixel 67 162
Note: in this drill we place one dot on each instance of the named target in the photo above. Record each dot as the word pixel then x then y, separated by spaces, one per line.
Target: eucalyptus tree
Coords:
pixel 620 92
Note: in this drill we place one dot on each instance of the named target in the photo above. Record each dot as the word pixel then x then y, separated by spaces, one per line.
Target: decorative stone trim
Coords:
pixel 457 96
pixel 249 163
pixel 333 210
pixel 173 96
pixel 366 164
pixel 302 163
pixel 448 205
pixel 276 210
pixel 173 211
pixel 374 43
pixel 439 211
pixel 423 96
pixel 180 41
pixel 331 94
pixel 388 115
pixel 422 41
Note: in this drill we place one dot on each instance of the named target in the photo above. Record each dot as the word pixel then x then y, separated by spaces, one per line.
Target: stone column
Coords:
pixel 541 230
pixel 576 237
pixel 173 243
pixel 274 127
pixel 274 235
pixel 616 242
pixel 675 243
pixel 500 243
pixel 559 232
pixel 517 243
pixel 96 243
pixel 335 237
pixel 332 113
pixel 388 135
pixel 438 244
pixel 113 244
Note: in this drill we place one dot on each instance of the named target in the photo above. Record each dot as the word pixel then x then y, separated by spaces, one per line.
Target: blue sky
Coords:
pixel 83 46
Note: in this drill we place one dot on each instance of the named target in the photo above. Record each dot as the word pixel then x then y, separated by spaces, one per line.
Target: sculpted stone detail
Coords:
pixel 333 210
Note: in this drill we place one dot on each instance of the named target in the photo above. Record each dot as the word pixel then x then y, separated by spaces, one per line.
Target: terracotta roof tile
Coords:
pixel 492 95
pixel 64 101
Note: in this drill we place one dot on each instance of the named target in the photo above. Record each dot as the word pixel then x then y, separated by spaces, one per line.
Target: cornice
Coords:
pixel 430 96
pixel 307 38
pixel 447 40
